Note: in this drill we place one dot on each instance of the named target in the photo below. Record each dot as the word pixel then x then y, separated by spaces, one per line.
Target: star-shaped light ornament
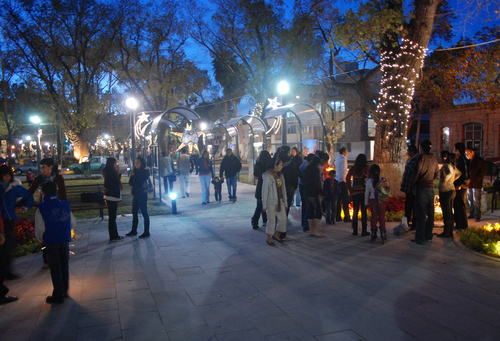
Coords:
pixel 273 102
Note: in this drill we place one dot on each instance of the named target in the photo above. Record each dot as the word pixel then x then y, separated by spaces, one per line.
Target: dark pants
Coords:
pixel 460 209
pixel 331 211
pixel 290 191
pixel 218 196
pixel 305 227
pixel 140 201
pixel 358 200
pixel 112 211
pixel 425 214
pixel 410 209
pixel 166 183
pixel 446 200
pixel 58 256
pixel 343 202
pixel 257 213
pixel 314 208
pixel 10 244
pixel 3 267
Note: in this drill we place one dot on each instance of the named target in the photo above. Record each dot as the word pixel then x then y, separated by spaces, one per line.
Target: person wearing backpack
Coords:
pixel 376 194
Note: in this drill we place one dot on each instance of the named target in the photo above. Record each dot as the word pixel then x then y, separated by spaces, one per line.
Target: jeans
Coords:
pixel 410 209
pixel 112 211
pixel 205 188
pixel 358 200
pixel 331 211
pixel 298 199
pixel 314 208
pixel 231 186
pixel 344 202
pixel 185 184
pixel 166 183
pixel 424 210
pixel 257 213
pixel 460 210
pixel 474 196
pixel 446 200
pixel 140 201
pixel 58 256
pixel 218 196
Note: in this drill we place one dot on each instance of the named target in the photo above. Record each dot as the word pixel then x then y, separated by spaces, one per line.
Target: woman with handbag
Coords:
pixel 167 172
pixel 113 195
pixel 139 180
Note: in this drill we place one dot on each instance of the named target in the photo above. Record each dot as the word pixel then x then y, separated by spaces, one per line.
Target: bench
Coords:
pixel 74 197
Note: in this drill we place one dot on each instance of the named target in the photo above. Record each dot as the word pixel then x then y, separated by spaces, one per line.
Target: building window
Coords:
pixel 371 126
pixel 473 136
pixel 445 138
pixel 338 106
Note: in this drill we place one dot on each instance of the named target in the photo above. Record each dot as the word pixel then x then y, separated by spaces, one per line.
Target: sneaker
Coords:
pixel 131 234
pixel 45 266
pixel 187 194
pixel 478 220
pixel 8 299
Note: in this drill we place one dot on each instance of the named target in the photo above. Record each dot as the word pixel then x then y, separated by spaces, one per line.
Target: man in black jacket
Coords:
pixel 231 165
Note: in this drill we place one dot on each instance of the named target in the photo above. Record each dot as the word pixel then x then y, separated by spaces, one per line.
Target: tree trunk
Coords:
pixel 400 72
pixel 80 149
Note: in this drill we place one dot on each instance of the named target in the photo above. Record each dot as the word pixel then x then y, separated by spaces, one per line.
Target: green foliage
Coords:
pixel 30 247
pixel 480 240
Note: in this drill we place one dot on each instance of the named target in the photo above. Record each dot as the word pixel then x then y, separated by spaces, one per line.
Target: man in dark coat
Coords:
pixel 231 165
pixel 461 186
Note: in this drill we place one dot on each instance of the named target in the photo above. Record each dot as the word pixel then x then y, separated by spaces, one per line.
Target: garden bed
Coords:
pixel 483 239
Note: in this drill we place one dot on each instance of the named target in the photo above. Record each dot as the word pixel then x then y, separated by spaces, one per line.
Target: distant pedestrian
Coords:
pixel 53 223
pixel 341 168
pixel 259 169
pixel 113 195
pixel 126 157
pixel 425 171
pixel 313 191
pixel 355 180
pixel 30 177
pixel 331 188
pixel 373 197
pixel 217 188
pixel 167 172
pixel 139 180
pixel 291 175
pixel 478 169
pixel 194 158
pixel 274 201
pixel 461 186
pixel 184 168
pixel 204 170
pixel 304 213
pixel 447 176
pixel 408 188
pixel 298 159
pixel 231 166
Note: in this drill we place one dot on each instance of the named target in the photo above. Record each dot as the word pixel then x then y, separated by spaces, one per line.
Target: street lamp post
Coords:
pixel 283 89
pixel 132 104
pixel 36 120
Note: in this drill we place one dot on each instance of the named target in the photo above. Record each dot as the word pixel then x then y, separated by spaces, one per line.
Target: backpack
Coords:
pixel 383 190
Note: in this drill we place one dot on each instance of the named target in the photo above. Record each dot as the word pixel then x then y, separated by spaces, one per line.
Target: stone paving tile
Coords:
pixel 206 275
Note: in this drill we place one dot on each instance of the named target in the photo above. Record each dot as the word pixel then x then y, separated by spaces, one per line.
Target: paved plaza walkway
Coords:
pixel 206 275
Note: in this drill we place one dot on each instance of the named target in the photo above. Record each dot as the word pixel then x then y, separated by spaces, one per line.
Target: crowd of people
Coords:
pixel 320 191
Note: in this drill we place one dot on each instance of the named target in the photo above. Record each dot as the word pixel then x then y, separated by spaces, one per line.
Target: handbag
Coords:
pixel 147 186
pixel 172 178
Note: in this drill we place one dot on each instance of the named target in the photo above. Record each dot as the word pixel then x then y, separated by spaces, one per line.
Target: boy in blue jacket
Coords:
pixel 332 189
pixel 53 223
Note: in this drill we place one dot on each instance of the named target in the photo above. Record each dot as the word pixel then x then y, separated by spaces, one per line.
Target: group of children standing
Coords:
pixel 368 189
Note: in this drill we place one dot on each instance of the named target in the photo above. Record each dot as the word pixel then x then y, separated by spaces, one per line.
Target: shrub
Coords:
pixel 484 239
pixel 24 232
